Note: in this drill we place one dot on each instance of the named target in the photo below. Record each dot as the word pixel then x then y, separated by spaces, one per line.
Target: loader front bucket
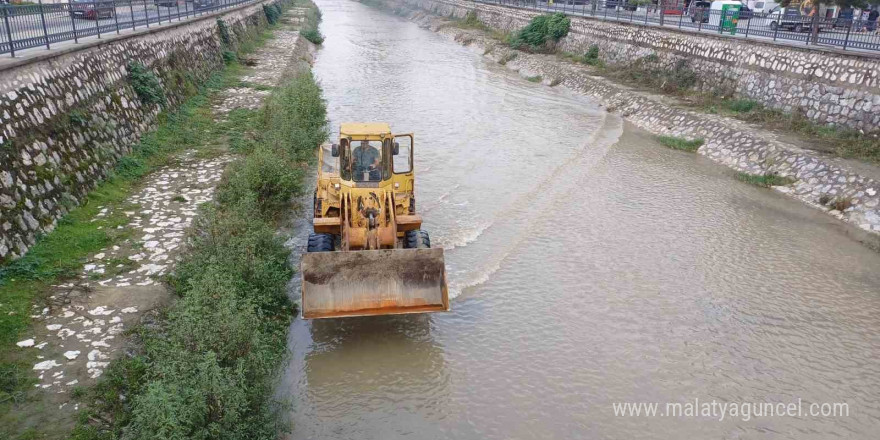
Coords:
pixel 365 283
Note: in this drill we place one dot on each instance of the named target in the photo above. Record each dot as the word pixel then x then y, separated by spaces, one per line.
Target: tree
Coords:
pixel 815 5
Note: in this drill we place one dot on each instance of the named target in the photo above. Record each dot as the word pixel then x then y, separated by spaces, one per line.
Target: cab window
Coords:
pixel 366 161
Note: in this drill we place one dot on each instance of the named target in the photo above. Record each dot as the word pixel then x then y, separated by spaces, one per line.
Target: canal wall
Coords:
pixel 829 86
pixel 824 182
pixel 70 114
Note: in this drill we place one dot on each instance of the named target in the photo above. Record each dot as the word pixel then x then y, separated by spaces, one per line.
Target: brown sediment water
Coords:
pixel 589 266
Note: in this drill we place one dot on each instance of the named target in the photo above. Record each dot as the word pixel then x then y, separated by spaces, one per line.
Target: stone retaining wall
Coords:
pixel 819 180
pixel 829 86
pixel 69 116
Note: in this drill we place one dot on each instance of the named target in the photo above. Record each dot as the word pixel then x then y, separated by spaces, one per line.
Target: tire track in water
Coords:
pixel 510 227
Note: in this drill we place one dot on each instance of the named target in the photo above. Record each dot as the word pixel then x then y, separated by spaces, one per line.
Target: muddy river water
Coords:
pixel 590 267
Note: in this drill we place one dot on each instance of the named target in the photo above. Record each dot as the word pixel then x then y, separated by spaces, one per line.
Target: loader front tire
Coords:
pixel 321 243
pixel 417 239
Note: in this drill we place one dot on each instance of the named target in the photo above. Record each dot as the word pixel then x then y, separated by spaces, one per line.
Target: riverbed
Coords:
pixel 589 267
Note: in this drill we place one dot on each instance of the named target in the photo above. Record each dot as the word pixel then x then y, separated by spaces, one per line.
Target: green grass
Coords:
pixel 764 180
pixel 677 143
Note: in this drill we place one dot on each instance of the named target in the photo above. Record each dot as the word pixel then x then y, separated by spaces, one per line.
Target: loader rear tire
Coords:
pixel 321 243
pixel 417 239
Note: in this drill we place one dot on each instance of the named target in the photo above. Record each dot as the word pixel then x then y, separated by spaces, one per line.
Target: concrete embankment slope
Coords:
pixel 69 114
pixel 745 148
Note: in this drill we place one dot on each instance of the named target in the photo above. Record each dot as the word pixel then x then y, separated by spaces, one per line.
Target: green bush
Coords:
pixel 146 84
pixel 272 13
pixel 540 30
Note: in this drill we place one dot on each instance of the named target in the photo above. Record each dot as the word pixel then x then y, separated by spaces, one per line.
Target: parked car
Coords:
pixel 166 3
pixel 790 19
pixel 92 9
pixel 700 11
pixel 202 4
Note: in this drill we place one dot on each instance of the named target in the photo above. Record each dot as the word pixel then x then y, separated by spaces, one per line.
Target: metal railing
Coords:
pixel 44 24
pixel 790 25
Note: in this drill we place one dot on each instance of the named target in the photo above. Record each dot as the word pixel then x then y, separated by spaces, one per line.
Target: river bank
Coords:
pixel 821 181
pixel 113 323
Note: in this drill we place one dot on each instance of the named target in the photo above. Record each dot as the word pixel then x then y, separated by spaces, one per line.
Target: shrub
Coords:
pixel 272 13
pixel 542 29
pixel 313 35
pixel 146 84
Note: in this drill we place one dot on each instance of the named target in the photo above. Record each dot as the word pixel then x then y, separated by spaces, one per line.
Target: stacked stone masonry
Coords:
pixel 829 86
pixel 66 119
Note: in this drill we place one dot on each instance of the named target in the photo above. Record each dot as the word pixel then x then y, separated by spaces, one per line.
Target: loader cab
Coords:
pixel 370 156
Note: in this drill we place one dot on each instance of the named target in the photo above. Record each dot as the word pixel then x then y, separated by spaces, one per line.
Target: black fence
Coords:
pixel 781 24
pixel 36 25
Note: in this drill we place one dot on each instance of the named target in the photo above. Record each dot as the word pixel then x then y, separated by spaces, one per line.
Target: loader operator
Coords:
pixel 366 160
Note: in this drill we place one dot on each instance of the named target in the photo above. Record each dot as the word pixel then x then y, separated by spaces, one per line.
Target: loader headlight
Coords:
pixel 396 185
pixel 336 186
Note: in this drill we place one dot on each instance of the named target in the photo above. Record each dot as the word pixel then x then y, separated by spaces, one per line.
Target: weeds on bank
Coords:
pixel 844 142
pixel 310 31
pixel 765 180
pixel 590 57
pixel 682 144
pixel 534 79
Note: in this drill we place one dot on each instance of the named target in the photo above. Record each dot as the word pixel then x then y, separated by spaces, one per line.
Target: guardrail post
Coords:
pixel 131 11
pixel 115 17
pixel 681 17
pixel 848 29
pixel 720 20
pixel 72 20
pixel 97 19
pixel 776 31
pixel 749 24
pixel 8 30
pixel 43 20
pixel 177 3
pixel 158 14
pixel 146 14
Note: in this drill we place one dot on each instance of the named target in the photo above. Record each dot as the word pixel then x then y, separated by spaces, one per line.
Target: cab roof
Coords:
pixel 364 129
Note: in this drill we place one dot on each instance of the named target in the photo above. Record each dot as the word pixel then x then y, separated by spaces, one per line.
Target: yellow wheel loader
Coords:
pixel 368 254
